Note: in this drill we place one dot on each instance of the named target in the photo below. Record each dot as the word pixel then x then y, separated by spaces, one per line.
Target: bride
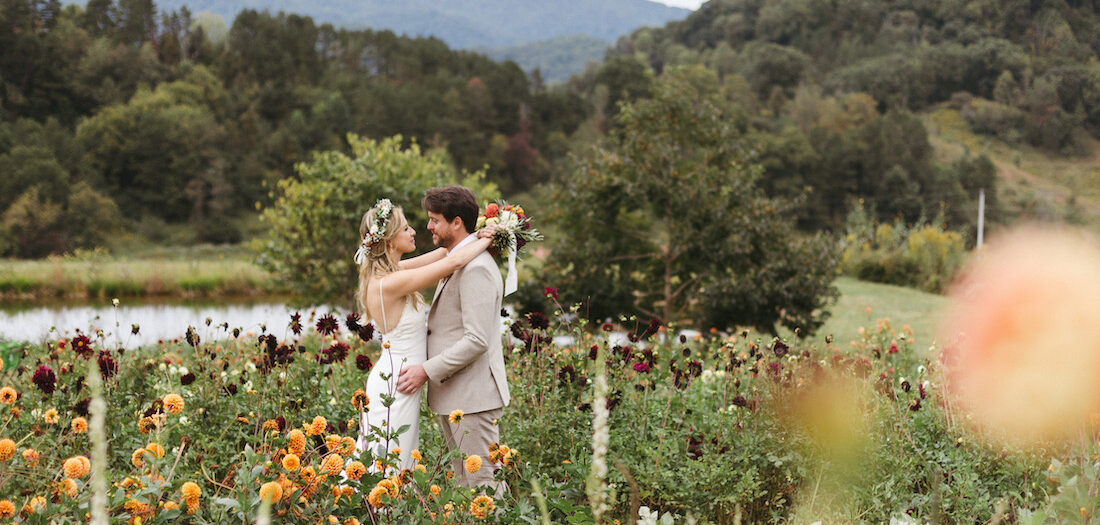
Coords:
pixel 389 294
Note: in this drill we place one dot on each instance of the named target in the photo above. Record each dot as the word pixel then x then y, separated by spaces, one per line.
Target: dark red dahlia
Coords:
pixel 780 348
pixel 366 332
pixel 82 346
pixel 281 421
pixel 538 320
pixel 327 325
pixel 352 322
pixel 296 323
pixel 339 351
pixel 45 379
pixel 362 362
pixel 641 367
pixel 187 379
pixel 80 408
pixel 107 365
pixel 550 292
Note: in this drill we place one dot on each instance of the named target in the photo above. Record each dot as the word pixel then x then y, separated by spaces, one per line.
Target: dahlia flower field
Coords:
pixel 231 425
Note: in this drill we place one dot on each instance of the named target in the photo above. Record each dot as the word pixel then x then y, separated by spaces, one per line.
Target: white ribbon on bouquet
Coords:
pixel 511 282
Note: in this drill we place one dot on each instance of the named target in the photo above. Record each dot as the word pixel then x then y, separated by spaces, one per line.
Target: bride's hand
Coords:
pixel 487 232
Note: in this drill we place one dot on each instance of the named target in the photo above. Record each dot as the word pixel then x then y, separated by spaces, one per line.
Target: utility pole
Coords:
pixel 981 216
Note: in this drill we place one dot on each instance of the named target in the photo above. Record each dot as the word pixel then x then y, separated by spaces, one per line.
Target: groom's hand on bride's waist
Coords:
pixel 410 380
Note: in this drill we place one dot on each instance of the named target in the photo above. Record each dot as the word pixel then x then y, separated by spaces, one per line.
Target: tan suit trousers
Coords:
pixel 472 436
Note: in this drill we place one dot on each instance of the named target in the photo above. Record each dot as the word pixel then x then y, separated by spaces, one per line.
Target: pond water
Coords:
pixel 166 321
pixel 156 321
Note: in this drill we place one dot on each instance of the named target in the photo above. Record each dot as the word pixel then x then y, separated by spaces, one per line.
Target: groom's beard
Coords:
pixel 442 241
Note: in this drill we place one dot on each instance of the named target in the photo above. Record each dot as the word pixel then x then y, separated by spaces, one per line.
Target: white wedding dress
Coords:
pixel 408 346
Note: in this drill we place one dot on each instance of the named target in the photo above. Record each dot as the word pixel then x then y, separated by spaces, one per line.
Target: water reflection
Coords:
pixel 156 321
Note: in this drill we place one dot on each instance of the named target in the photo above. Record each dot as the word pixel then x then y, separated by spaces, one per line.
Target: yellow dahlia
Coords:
pixel 434 489
pixel 8 395
pixel 271 492
pixel 482 506
pixel 291 462
pixel 77 467
pixel 473 463
pixel 173 403
pixel 332 464
pixel 347 447
pixel 7 509
pixel 67 487
pixel 155 449
pixel 317 426
pixel 7 449
pixel 30 456
pixel 191 490
pixel 296 441
pixel 355 470
pixel 79 425
pixel 375 496
pixel 137 459
pixel 51 416
pixel 360 399
pixel 332 442
pixel 456 416
pixel 416 454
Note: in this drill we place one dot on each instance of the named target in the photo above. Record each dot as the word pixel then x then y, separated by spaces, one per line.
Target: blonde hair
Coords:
pixel 378 261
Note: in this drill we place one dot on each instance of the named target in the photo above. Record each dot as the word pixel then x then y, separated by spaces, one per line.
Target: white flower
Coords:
pixel 184 420
pixel 184 371
pixel 251 366
pixel 282 375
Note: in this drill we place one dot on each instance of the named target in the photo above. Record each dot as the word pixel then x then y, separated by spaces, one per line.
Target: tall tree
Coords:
pixel 670 222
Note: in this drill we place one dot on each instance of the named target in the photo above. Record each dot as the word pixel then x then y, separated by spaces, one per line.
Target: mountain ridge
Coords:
pixel 464 24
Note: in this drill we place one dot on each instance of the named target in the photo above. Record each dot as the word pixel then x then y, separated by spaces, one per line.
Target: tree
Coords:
pixel 147 150
pixel 669 222
pixel 315 220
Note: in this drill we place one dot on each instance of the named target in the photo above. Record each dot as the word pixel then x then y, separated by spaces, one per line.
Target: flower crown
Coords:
pixel 377 231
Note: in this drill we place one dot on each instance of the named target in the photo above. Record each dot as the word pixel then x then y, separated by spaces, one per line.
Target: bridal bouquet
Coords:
pixel 513 232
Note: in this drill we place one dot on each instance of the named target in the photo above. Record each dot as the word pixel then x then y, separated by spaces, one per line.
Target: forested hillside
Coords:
pixel 115 117
pixel 555 59
pixel 835 88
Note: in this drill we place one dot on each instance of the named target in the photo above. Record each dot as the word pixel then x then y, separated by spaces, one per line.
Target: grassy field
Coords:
pixel 195 272
pixel 922 311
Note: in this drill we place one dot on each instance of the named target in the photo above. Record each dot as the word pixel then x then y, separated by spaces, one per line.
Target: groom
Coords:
pixel 465 365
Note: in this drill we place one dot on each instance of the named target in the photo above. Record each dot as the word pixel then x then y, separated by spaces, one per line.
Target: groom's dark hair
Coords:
pixel 453 201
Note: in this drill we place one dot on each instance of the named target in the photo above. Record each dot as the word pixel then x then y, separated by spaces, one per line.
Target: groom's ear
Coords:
pixel 457 223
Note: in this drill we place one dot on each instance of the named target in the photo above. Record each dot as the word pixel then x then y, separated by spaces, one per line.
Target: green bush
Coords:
pixel 925 255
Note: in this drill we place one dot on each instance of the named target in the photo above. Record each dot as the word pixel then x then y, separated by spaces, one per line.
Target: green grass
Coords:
pixel 922 311
pixel 206 272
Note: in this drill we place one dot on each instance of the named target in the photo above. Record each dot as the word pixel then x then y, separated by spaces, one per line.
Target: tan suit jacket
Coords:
pixel 465 363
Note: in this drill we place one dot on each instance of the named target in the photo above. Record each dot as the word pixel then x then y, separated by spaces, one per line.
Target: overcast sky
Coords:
pixel 690 4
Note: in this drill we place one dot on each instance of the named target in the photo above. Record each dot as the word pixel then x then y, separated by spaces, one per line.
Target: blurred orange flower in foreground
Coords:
pixel 1020 346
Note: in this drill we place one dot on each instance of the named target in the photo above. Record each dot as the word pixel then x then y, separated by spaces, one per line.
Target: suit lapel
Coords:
pixel 439 291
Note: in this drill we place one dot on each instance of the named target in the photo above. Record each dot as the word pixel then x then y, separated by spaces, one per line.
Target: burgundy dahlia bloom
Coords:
pixel 366 332
pixel 362 362
pixel 327 325
pixel 780 348
pixel 187 379
pixel 45 379
pixel 107 365
pixel 352 322
pixel 296 323
pixel 641 367
pixel 538 320
pixel 82 346
pixel 550 292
